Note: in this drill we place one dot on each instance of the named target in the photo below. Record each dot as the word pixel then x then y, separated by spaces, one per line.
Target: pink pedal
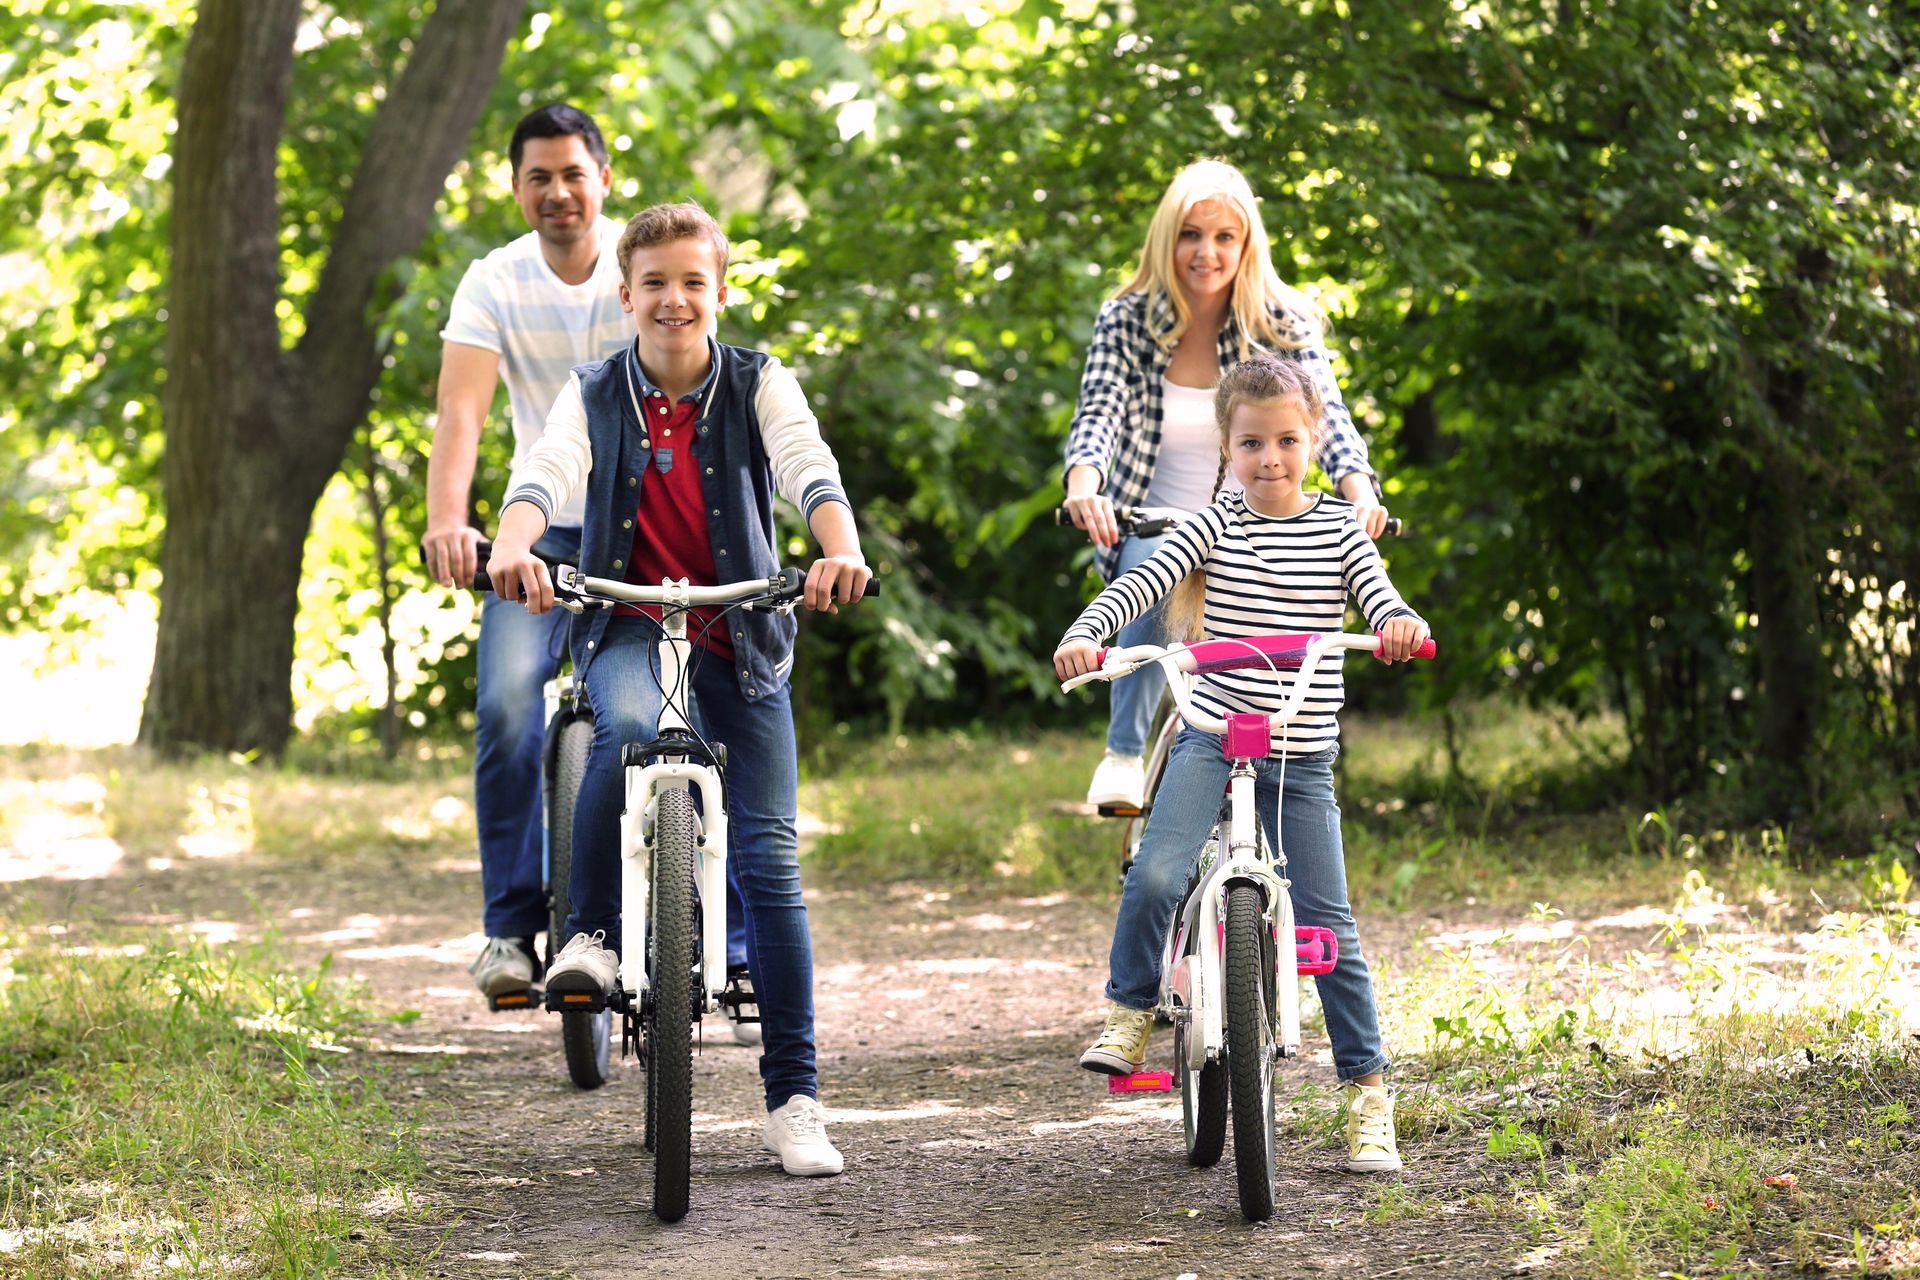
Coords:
pixel 1141 1082
pixel 1316 948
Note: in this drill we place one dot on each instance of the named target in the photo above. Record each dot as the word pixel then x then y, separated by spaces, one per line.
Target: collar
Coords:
pixel 1161 317
pixel 640 387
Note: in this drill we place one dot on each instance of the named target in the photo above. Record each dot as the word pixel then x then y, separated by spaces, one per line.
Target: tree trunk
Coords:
pixel 254 431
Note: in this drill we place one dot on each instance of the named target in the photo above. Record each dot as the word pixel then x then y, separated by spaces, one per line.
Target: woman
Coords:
pixel 1204 297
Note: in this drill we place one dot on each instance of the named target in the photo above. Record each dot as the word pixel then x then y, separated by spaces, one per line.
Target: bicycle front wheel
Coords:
pixel 1249 983
pixel 586 1037
pixel 673 957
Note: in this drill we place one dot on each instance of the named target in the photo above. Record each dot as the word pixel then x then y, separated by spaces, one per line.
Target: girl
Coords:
pixel 1268 557
pixel 1205 295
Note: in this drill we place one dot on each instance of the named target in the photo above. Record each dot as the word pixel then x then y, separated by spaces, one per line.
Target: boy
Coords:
pixel 681 443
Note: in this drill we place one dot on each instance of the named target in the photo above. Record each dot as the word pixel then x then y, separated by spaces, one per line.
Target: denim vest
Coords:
pixel 736 482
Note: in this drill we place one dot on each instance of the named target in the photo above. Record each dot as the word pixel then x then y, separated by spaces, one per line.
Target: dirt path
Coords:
pixel 948 1026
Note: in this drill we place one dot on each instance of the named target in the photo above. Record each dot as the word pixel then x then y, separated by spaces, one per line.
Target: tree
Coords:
pixel 255 431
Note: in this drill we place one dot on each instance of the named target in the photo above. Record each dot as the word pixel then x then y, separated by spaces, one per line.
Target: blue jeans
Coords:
pixel 1184 811
pixel 1133 699
pixel 763 854
pixel 518 654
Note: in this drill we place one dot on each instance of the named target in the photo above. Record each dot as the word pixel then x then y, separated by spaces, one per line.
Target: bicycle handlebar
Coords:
pixel 1305 652
pixel 1151 522
pixel 576 592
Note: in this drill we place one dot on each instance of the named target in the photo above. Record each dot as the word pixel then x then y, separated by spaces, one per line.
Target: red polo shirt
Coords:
pixel 670 538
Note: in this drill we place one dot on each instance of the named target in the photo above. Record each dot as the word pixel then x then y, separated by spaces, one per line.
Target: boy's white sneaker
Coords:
pixel 584 965
pixel 797 1133
pixel 1371 1147
pixel 1120 781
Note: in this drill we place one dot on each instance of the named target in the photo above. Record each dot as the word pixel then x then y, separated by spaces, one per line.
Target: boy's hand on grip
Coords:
pixel 833 580
pixel 1400 637
pixel 520 576
pixel 1076 658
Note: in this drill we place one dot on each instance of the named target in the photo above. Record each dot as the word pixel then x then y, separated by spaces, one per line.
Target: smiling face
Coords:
pixel 673 290
pixel 1206 253
pixel 1269 450
pixel 560 188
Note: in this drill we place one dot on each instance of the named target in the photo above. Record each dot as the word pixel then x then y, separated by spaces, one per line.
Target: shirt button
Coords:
pixel 632 481
pixel 618 563
pixel 716 511
pixel 753 693
pixel 645 443
pixel 709 470
pixel 626 524
pixel 590 644
pixel 663 408
pixel 723 551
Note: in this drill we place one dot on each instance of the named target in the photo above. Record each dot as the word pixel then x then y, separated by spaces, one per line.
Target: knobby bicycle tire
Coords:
pixel 585 1037
pixel 673 939
pixel 1249 983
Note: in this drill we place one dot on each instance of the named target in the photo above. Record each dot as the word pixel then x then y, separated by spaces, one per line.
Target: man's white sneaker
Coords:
pixel 797 1133
pixel 503 968
pixel 584 965
pixel 1120 781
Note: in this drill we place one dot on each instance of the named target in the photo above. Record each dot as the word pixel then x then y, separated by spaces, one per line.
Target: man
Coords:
pixel 529 311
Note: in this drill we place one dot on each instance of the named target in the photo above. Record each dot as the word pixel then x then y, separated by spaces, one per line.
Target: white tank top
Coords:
pixel 1189 459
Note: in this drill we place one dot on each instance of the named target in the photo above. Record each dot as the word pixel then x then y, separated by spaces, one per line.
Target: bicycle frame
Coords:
pixel 644 782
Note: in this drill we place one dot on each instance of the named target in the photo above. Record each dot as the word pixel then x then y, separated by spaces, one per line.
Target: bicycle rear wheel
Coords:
pixel 673 942
pixel 1249 983
pixel 1203 1104
pixel 586 1037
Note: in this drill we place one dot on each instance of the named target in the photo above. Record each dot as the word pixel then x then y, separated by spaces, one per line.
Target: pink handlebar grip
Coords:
pixel 1427 649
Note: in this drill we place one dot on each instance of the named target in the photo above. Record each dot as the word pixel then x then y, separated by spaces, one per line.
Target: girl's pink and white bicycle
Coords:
pixel 1231 991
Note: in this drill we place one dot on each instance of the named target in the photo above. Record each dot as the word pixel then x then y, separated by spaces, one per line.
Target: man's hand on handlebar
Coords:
pixel 451 554
pixel 833 580
pixel 520 576
pixel 1372 518
pixel 1076 658
pixel 1400 637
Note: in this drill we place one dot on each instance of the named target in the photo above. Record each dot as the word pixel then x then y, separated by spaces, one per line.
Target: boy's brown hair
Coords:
pixel 665 223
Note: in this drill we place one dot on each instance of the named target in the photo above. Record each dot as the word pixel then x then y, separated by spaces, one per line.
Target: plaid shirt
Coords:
pixel 1116 427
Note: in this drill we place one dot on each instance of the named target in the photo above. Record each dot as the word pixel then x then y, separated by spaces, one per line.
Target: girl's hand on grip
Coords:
pixel 1075 658
pixel 1400 637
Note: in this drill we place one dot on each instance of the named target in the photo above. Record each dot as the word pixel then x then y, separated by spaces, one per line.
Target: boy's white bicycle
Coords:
pixel 1230 989
pixel 673 872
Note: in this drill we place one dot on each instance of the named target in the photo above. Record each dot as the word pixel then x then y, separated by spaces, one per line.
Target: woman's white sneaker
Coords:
pixel 1120 781
pixel 797 1133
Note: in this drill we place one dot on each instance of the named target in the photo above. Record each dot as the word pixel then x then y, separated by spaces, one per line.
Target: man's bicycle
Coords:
pixel 1228 986
pixel 673 859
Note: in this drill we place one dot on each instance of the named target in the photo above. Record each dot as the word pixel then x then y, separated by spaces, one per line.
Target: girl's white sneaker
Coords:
pixel 1370 1138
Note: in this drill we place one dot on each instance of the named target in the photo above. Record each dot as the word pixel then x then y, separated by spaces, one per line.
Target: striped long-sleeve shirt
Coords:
pixel 1263 575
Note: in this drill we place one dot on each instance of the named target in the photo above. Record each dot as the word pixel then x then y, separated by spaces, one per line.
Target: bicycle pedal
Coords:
pixel 575 1002
pixel 1119 810
pixel 512 1001
pixel 1141 1082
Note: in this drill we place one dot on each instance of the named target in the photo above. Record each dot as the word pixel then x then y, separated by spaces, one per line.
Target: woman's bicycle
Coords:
pixel 673 859
pixel 1229 987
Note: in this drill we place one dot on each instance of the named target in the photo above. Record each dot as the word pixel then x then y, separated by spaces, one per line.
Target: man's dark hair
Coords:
pixel 557 120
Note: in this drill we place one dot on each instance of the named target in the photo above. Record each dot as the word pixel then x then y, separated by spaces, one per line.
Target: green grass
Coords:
pixel 169 1109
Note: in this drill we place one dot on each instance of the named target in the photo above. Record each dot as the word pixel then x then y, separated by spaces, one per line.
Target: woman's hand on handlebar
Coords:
pixel 1400 637
pixel 1089 508
pixel 520 576
pixel 1075 658
pixel 833 580
pixel 1371 517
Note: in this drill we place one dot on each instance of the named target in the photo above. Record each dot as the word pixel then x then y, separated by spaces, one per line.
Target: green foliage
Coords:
pixel 1623 294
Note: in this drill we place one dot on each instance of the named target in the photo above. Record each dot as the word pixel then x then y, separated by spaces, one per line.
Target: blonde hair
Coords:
pixel 1264 379
pixel 1257 287
pixel 665 223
